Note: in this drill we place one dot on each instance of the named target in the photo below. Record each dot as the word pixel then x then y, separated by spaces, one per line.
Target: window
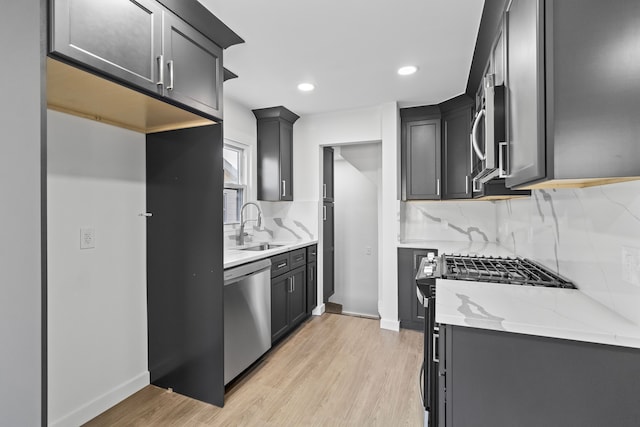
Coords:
pixel 234 160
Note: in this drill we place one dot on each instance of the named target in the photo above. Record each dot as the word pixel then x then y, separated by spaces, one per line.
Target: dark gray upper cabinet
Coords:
pixel 573 92
pixel 275 153
pixel 526 93
pixel 327 174
pixel 194 73
pixel 420 146
pixel 456 148
pixel 145 46
pixel 120 38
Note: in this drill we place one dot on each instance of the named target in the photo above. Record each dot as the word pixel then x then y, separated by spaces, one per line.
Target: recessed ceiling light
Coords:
pixel 306 87
pixel 409 69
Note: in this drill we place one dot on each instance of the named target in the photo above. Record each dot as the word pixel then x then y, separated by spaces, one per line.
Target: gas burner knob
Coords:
pixel 428 270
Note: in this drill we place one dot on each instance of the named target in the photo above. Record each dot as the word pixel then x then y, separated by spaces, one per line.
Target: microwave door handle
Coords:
pixel 474 135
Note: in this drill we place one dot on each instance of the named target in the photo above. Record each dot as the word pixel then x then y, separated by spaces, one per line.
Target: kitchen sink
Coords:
pixel 261 247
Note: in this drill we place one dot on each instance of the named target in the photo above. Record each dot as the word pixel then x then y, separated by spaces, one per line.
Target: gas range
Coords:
pixel 513 271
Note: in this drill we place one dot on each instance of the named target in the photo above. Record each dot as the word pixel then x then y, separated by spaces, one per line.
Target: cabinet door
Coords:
pixel 269 184
pixel 298 296
pixel 456 154
pixel 193 73
pixel 410 312
pixel 525 83
pixel 421 152
pixel 286 161
pixel 312 286
pixel 328 285
pixel 279 306
pixel 120 38
pixel 327 174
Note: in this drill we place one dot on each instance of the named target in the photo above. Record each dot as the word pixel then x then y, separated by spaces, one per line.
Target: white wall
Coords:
pixel 585 235
pixel 310 134
pixel 22 120
pixel 97 297
pixel 357 174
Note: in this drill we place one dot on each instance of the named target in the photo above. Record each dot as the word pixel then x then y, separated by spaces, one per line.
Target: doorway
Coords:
pixel 357 172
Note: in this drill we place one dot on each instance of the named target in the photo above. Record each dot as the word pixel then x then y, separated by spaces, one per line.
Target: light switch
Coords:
pixel 87 238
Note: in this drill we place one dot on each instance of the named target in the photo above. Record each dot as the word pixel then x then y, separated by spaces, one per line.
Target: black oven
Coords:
pixel 426 292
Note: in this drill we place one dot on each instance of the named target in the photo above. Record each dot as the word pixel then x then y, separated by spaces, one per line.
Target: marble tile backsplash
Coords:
pixel 281 221
pixel 589 235
pixel 472 221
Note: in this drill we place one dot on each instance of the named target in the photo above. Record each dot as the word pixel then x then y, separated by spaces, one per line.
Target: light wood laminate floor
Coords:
pixel 334 371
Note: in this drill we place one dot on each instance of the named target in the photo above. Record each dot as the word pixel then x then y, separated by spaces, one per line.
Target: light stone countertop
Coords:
pixel 548 312
pixel 234 257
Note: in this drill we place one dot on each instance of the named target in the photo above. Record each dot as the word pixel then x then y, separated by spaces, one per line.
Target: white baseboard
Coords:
pixel 392 325
pixel 101 403
pixel 319 310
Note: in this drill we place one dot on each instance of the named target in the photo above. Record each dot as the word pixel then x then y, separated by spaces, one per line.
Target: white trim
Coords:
pixel 101 403
pixel 391 325
pixel 319 310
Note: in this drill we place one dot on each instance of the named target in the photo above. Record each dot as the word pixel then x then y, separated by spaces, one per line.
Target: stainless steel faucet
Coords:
pixel 243 221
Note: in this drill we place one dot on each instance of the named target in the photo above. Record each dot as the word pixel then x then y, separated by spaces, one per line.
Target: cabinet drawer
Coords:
pixel 298 257
pixel 312 252
pixel 280 264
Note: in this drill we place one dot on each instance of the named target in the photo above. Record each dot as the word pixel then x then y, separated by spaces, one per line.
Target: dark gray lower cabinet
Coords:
pixel 185 262
pixel 312 286
pixel 502 379
pixel 410 312
pixel 288 292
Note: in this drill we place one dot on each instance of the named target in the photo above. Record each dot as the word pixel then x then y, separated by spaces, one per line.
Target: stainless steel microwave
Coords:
pixel 488 134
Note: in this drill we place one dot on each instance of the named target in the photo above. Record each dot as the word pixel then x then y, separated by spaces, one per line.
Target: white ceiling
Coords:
pixel 350 50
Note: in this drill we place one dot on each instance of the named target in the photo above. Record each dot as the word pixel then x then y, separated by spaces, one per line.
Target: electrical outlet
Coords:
pixel 87 238
pixel 367 250
pixel 631 265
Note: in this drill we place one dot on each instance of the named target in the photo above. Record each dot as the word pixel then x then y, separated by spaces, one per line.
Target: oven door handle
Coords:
pixel 436 338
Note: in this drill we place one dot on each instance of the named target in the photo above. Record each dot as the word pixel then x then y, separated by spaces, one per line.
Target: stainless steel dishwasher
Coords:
pixel 247 316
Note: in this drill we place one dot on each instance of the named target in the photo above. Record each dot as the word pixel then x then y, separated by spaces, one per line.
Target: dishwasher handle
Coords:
pixel 235 274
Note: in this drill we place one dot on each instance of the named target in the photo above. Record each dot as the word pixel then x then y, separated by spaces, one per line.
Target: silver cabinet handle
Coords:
pixel 502 165
pixel 324 191
pixel 436 336
pixel 170 65
pixel 324 213
pixel 437 186
pixel 282 265
pixel 474 132
pixel 160 81
pixel 293 283
pixel 466 184
pixel 284 188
